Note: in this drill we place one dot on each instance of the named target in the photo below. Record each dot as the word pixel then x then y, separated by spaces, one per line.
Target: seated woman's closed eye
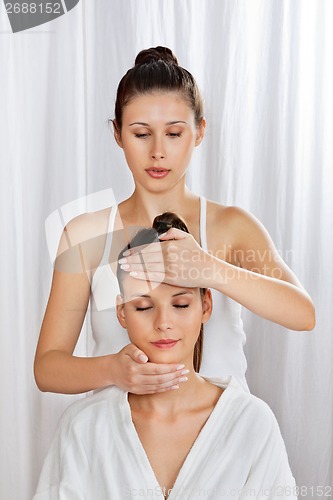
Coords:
pixel 146 307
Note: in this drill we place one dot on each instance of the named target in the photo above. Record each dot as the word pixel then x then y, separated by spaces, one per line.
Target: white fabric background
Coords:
pixel 265 69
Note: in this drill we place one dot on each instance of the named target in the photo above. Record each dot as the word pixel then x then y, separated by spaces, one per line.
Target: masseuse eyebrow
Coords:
pixel 147 124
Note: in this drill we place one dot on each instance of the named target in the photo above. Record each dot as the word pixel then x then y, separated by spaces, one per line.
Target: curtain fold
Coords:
pixel 266 72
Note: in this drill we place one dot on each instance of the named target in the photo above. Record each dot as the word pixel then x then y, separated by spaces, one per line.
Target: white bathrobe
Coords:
pixel 96 453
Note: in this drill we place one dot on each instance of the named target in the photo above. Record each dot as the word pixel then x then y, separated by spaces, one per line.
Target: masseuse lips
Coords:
pixel 157 173
pixel 165 343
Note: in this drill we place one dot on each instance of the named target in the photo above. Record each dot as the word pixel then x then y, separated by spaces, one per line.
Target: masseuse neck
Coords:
pixel 146 204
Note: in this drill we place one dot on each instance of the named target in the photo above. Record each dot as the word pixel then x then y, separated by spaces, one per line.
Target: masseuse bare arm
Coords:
pixel 248 269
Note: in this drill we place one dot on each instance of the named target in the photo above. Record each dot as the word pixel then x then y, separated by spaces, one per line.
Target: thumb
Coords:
pixel 136 354
pixel 173 234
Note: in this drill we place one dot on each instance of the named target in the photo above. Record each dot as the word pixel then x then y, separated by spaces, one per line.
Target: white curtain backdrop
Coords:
pixel 265 68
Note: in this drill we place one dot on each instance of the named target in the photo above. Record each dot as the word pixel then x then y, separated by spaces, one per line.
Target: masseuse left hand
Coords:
pixel 177 260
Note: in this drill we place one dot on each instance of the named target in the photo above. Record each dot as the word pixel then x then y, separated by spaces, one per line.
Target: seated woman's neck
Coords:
pixel 176 401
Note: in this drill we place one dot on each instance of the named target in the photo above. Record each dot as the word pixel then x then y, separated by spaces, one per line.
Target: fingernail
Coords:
pixel 184 372
pixel 133 273
pixel 180 367
pixel 143 358
pixel 122 261
pixel 182 379
pixel 126 253
pixel 160 236
pixel 175 387
pixel 124 266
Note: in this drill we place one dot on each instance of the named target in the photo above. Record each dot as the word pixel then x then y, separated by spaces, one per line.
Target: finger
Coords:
pixel 137 258
pixel 155 277
pixel 166 381
pixel 162 369
pixel 149 384
pixel 173 234
pixel 163 248
pixel 156 267
pixel 136 354
pixel 151 247
pixel 173 383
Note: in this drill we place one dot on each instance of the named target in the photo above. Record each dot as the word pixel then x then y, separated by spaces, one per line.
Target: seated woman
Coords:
pixel 206 439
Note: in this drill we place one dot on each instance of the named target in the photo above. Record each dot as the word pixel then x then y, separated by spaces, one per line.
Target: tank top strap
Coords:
pixel 203 220
pixel 109 235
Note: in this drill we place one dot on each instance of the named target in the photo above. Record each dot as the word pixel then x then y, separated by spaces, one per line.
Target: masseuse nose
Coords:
pixel 157 156
pixel 157 151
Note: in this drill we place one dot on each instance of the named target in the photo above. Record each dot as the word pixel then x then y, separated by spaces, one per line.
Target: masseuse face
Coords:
pixel 158 136
pixel 164 322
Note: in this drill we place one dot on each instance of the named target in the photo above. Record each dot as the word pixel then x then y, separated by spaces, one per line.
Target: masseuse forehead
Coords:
pixel 136 288
pixel 157 108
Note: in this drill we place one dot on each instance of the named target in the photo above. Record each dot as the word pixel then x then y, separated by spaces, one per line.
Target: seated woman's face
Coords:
pixel 164 320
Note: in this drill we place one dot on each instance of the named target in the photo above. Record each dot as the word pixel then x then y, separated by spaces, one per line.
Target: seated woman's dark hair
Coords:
pixel 147 236
pixel 157 69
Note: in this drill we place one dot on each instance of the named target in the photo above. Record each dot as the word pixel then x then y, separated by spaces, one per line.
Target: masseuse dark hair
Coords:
pixel 157 69
pixel 161 224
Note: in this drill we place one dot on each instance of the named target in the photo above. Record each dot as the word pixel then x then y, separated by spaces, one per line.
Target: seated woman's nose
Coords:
pixel 163 327
pixel 162 324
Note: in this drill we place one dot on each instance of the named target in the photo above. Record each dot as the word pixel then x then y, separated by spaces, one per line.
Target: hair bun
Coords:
pixel 155 54
pixel 166 221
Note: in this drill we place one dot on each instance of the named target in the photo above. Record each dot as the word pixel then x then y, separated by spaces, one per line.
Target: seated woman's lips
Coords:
pixel 165 343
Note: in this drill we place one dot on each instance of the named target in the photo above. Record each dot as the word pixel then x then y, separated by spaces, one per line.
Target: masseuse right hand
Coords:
pixel 132 372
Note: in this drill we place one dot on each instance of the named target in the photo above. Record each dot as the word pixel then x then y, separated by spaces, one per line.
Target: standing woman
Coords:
pixel 158 122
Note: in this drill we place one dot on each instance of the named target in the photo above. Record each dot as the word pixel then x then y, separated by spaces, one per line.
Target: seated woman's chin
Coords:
pixel 164 356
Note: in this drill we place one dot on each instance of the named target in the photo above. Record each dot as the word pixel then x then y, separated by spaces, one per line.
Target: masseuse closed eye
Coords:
pixel 141 136
pixel 170 134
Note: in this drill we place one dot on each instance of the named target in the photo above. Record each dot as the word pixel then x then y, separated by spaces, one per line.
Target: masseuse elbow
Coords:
pixel 39 379
pixel 309 319
pixel 310 325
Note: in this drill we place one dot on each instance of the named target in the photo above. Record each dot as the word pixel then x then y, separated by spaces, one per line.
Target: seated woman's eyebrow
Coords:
pixel 147 296
pixel 139 296
pixel 185 292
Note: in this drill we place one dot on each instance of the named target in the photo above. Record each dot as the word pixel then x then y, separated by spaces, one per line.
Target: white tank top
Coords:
pixel 224 337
